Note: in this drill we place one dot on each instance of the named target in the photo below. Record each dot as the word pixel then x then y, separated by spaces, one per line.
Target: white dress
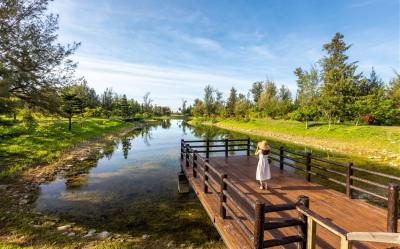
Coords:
pixel 263 171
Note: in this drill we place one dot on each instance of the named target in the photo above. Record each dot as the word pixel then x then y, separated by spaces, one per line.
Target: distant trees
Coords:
pixel 331 90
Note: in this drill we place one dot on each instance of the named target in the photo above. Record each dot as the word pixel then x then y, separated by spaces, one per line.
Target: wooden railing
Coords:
pixel 342 174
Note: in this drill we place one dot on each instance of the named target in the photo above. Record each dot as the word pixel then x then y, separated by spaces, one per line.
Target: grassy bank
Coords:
pixel 379 143
pixel 21 147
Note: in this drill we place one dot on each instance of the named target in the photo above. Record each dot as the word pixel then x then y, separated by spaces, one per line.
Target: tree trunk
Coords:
pixel 69 123
pixel 329 124
pixel 306 124
pixel 15 117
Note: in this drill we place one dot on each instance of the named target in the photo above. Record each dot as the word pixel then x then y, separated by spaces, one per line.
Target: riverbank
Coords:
pixel 377 143
pixel 23 148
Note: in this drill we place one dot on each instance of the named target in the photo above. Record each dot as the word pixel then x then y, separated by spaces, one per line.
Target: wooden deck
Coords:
pixel 284 187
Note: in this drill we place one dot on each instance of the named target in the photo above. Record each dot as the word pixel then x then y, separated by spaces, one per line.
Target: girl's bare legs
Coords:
pixel 261 185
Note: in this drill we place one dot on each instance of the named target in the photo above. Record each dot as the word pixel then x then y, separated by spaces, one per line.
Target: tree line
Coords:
pixel 37 74
pixel 331 90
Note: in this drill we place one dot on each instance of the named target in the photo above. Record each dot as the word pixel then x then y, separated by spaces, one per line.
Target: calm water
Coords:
pixel 131 187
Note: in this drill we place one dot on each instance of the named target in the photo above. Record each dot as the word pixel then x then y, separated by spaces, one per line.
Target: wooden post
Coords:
pixel 226 147
pixel 308 167
pixel 393 199
pixel 311 233
pixel 345 244
pixel 248 146
pixel 281 158
pixel 182 144
pixel 303 201
pixel 259 225
pixel 187 155
pixel 349 181
pixel 205 187
pixel 195 163
pixel 222 197
pixel 208 148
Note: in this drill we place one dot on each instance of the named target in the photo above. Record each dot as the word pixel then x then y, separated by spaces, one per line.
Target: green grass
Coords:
pixel 381 143
pixel 21 147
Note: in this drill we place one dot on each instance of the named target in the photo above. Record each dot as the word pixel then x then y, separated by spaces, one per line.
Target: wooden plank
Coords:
pixel 284 187
pixel 375 237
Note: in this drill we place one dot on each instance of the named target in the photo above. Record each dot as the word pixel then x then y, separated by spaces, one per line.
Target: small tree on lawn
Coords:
pixel 70 105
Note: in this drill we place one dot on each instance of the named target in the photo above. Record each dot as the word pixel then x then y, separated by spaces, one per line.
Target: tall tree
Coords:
pixel 33 65
pixel 307 93
pixel 147 102
pixel 340 81
pixel 231 102
pixel 284 104
pixel 394 89
pixel 107 103
pixel 268 100
pixel 209 101
pixel 124 106
pixel 256 90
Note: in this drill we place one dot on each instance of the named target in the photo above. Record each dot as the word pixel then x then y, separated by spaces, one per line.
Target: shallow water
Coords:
pixel 131 188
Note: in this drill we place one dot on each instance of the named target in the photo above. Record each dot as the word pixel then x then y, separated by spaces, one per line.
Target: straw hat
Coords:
pixel 263 145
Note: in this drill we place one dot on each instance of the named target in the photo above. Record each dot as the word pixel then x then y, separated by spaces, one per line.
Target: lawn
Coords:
pixel 381 143
pixel 21 147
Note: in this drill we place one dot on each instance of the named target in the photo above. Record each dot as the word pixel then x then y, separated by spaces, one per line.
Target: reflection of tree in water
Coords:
pixel 126 146
pixel 209 132
pixel 166 124
pixel 146 135
pixel 77 177
pixel 108 150
pixel 184 125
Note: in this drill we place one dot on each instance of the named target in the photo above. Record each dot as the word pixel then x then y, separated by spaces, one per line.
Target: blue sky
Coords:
pixel 174 48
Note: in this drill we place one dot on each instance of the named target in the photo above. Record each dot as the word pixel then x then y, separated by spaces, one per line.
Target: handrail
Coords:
pixel 380 237
pixel 347 175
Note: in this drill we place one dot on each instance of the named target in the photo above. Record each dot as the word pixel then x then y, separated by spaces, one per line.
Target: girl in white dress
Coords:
pixel 263 172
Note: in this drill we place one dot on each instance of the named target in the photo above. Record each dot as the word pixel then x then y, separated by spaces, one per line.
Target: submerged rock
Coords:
pixel 103 235
pixel 90 233
pixel 3 187
pixel 64 228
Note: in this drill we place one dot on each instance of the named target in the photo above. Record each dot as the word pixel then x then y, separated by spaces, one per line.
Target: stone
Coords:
pixel 90 233
pixel 64 228
pixel 145 236
pixel 182 245
pixel 71 234
pixel 3 187
pixel 103 235
pixel 171 244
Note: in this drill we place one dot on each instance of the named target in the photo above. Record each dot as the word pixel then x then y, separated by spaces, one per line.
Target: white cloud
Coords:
pixel 168 85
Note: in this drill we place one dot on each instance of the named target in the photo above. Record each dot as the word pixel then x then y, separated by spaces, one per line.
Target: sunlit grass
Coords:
pixel 19 146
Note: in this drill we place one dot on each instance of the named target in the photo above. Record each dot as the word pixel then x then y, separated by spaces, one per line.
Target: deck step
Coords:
pixel 280 223
pixel 282 241
pixel 279 207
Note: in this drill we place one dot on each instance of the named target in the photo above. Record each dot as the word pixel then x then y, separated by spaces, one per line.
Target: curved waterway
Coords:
pixel 130 188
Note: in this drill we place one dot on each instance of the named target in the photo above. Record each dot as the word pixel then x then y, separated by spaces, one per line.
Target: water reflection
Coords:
pixel 130 187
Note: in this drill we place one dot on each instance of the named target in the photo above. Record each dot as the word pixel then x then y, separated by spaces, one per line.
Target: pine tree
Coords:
pixel 124 106
pixel 340 81
pixel 231 102
pixel 256 90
